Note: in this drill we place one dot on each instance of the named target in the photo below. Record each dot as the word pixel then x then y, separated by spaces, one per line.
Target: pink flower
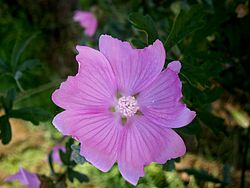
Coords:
pixel 25 178
pixel 56 154
pixel 121 107
pixel 87 20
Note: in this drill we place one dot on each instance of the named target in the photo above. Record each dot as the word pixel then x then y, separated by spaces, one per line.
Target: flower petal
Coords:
pixel 68 95
pixel 175 66
pixel 161 101
pixel 134 69
pixel 96 78
pixel 25 178
pixel 93 87
pixel 143 143
pixel 98 133
pixel 87 20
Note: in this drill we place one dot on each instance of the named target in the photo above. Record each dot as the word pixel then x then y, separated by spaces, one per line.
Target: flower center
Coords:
pixel 127 106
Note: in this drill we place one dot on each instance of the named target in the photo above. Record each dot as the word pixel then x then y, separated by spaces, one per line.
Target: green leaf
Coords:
pixel 146 24
pixel 50 160
pixel 185 23
pixel 169 165
pixel 213 122
pixel 19 49
pixel 8 100
pixel 3 66
pixel 193 128
pixel 138 43
pixel 32 114
pixel 79 176
pixel 211 26
pixel 28 64
pixel 66 156
pixel 5 130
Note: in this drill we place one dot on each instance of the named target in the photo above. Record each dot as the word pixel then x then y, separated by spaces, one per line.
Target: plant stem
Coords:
pixel 26 94
pixel 244 160
pixel 19 86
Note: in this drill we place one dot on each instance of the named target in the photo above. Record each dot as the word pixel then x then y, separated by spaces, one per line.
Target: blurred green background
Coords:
pixel 210 38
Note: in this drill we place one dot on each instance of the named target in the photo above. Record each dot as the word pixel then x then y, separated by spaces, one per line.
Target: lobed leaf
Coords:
pixel 146 24
pixel 32 114
pixel 9 100
pixel 185 23
pixel 79 176
pixel 19 49
pixel 5 129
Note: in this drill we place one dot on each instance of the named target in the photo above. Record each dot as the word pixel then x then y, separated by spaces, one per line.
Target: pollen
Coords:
pixel 127 106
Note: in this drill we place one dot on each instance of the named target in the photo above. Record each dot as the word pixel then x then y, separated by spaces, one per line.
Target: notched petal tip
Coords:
pixel 57 125
pixel 175 66
pixel 54 96
pixel 105 39
pixel 79 48
pixel 191 116
pixel 131 174
pixel 158 43
pixel 101 161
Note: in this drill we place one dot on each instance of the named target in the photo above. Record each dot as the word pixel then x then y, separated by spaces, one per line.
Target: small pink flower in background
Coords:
pixel 56 155
pixel 25 178
pixel 122 107
pixel 87 20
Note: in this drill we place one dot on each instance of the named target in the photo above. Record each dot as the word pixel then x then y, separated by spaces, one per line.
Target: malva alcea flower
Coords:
pixel 121 107
pixel 25 178
pixel 87 21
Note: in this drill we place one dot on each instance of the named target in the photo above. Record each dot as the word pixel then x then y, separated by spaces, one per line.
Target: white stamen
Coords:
pixel 127 106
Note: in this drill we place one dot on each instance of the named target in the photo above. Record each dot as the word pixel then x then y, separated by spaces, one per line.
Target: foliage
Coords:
pixel 205 35
pixel 69 163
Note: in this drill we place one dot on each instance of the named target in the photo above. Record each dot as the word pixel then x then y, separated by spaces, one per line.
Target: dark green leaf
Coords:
pixel 32 114
pixel 28 64
pixel 185 23
pixel 5 130
pixel 211 26
pixel 19 48
pixel 169 165
pixel 213 122
pixel 146 24
pixel 66 156
pixel 3 67
pixel 79 176
pixel 50 159
pixel 8 100
pixel 138 43
pixel 7 82
pixel 177 160
pixel 193 128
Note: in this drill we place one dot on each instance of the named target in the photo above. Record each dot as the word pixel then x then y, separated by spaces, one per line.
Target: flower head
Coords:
pixel 121 106
pixel 87 20
pixel 25 178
